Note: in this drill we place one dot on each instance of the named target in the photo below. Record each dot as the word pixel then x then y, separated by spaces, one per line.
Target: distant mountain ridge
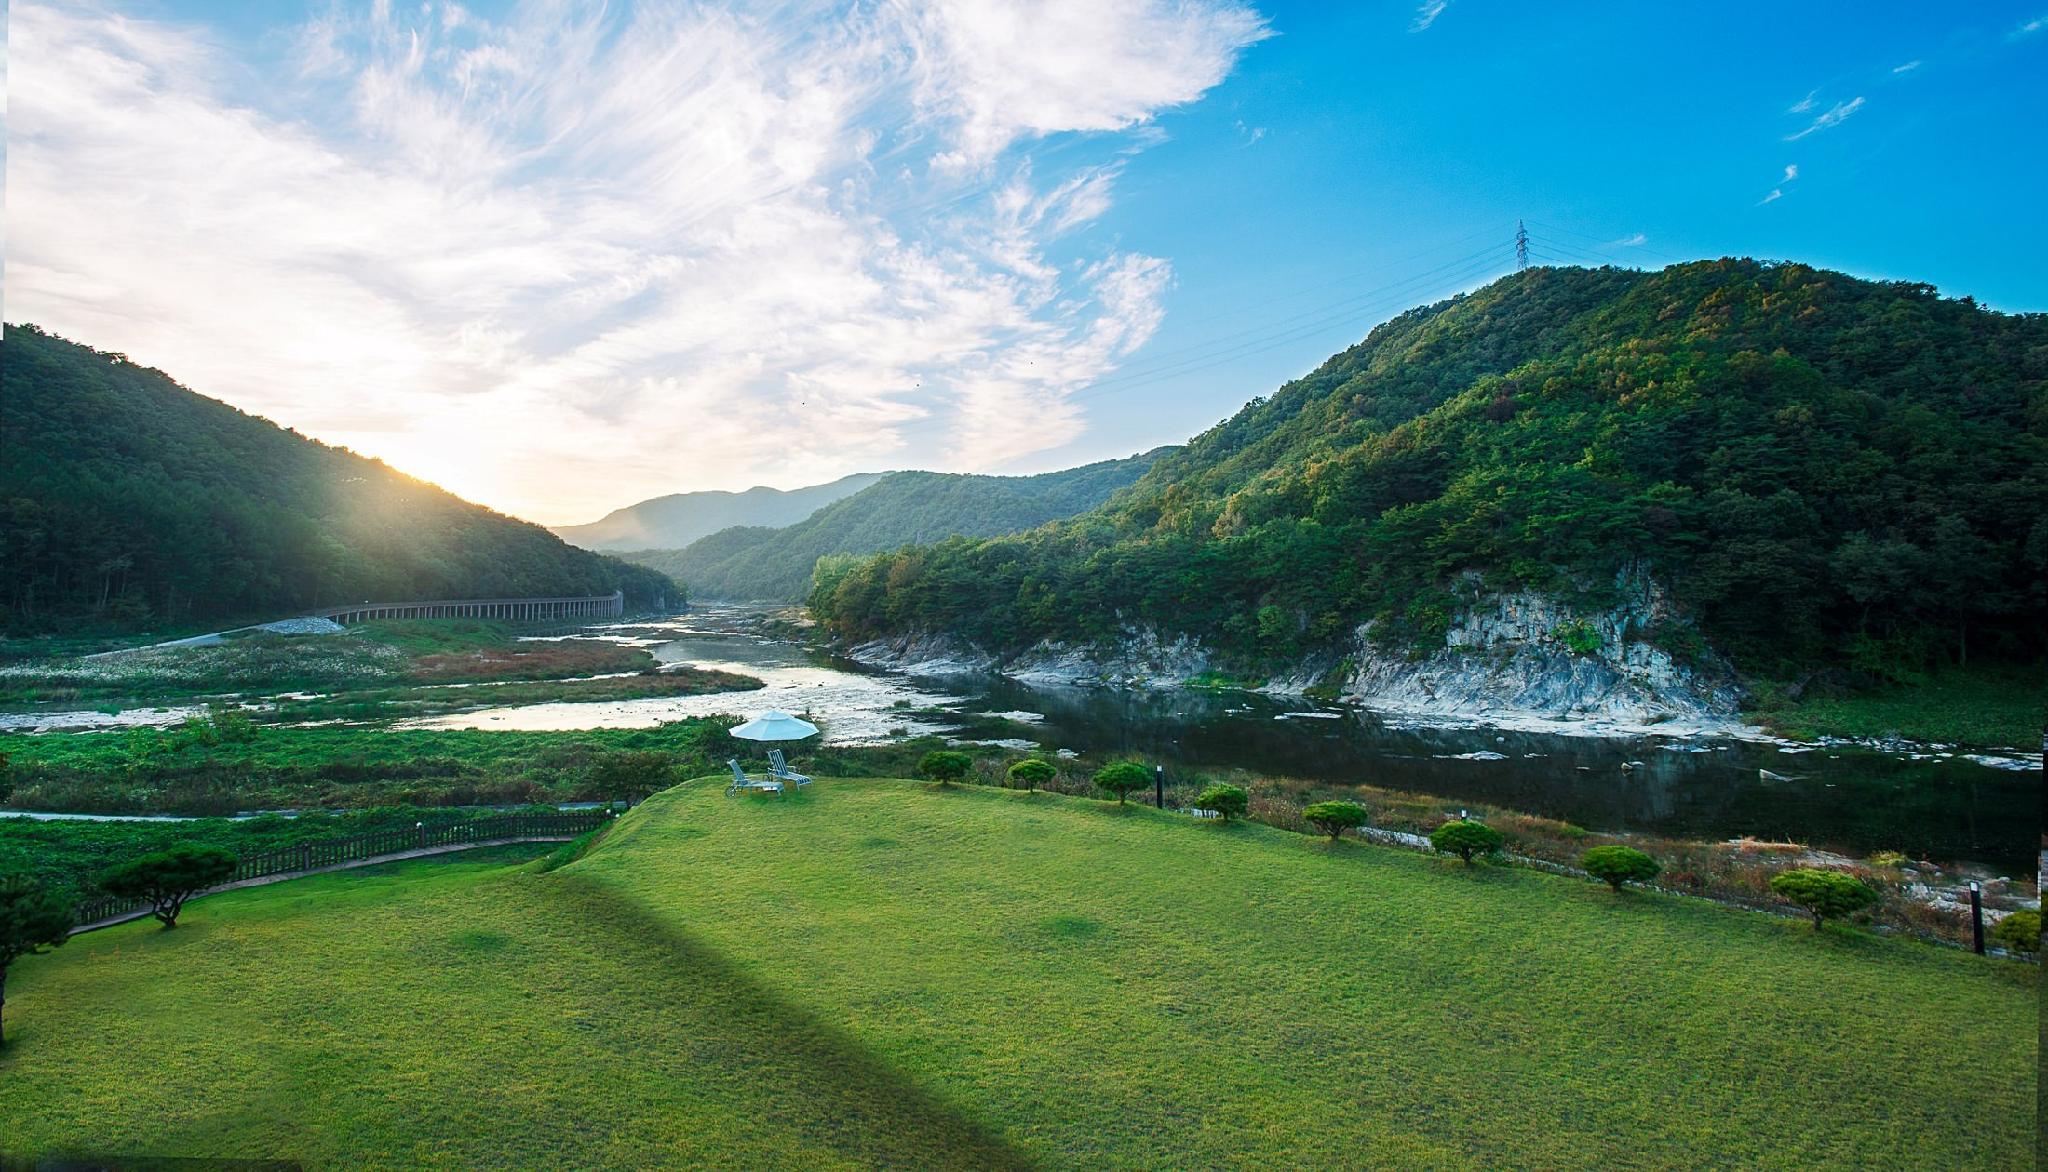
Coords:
pixel 676 520
pixel 903 508
pixel 128 502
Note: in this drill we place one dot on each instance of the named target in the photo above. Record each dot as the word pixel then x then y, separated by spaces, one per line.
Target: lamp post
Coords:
pixel 1976 917
pixel 1159 787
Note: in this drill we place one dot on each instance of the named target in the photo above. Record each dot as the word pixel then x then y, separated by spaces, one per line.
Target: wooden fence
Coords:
pixel 556 826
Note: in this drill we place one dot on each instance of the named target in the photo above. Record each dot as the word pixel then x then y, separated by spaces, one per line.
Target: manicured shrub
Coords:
pixel 1031 773
pixel 1822 893
pixel 1334 818
pixel 1228 800
pixel 33 919
pixel 2020 931
pixel 1122 779
pixel 1465 839
pixel 1616 865
pixel 945 766
pixel 168 878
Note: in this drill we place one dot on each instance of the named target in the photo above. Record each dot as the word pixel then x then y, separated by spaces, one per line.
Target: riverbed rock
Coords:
pixel 1506 657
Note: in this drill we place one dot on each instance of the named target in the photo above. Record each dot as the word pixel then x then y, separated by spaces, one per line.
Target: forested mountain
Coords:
pixel 672 522
pixel 903 508
pixel 128 502
pixel 1822 471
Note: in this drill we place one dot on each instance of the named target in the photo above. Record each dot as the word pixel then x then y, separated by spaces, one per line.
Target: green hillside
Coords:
pixel 676 520
pixel 1826 472
pixel 904 508
pixel 881 973
pixel 128 502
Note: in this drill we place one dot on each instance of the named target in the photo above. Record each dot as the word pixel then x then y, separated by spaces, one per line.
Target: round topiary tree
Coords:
pixel 33 919
pixel 2020 931
pixel 1230 801
pixel 1822 893
pixel 1031 773
pixel 1122 779
pixel 167 878
pixel 1465 839
pixel 945 766
pixel 1334 818
pixel 1616 865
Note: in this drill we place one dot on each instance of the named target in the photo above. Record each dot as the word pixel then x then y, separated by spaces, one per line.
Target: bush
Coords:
pixel 1122 779
pixel 1031 773
pixel 1334 818
pixel 2020 931
pixel 945 766
pixel 631 775
pixel 1616 865
pixel 1822 893
pixel 33 919
pixel 1465 839
pixel 1228 800
pixel 168 878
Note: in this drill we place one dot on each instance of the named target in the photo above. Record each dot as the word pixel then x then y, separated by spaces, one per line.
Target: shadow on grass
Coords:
pixel 836 1093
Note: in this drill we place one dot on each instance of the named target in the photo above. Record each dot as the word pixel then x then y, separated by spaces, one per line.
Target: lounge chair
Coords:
pixel 782 771
pixel 741 783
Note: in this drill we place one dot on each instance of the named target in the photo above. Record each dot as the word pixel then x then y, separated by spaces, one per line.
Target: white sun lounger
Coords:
pixel 741 783
pixel 780 768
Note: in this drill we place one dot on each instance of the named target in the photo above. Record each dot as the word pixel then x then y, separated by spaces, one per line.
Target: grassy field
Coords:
pixel 882 973
pixel 1993 708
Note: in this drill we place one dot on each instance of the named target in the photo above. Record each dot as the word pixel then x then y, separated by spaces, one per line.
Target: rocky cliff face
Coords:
pixel 1507 658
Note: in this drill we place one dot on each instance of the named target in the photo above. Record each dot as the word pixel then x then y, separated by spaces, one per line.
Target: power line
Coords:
pixel 1521 246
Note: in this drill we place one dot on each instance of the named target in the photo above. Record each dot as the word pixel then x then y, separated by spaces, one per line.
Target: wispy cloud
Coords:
pixel 1835 116
pixel 597 253
pixel 1908 67
pixel 1426 15
pixel 2029 28
pixel 1804 104
pixel 1251 134
pixel 1633 241
pixel 1777 193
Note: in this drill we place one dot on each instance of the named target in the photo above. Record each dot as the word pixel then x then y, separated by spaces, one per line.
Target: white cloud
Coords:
pixel 1426 15
pixel 1778 192
pixel 1804 104
pixel 591 255
pixel 1908 67
pixel 1634 241
pixel 996 71
pixel 1835 116
pixel 2029 28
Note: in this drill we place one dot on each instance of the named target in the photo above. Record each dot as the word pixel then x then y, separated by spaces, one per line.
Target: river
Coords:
pixel 1939 805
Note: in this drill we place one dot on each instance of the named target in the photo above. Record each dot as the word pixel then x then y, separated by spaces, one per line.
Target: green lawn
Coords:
pixel 882 973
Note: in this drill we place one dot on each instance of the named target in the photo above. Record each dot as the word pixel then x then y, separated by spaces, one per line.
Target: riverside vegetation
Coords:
pixel 1842 486
pixel 883 972
pixel 340 767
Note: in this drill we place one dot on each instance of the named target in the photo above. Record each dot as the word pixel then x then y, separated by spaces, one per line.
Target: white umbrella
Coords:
pixel 776 726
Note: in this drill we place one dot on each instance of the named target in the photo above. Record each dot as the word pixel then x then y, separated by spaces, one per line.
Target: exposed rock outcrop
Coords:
pixel 1506 657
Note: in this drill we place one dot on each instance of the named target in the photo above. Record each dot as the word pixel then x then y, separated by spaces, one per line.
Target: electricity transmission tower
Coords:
pixel 1521 246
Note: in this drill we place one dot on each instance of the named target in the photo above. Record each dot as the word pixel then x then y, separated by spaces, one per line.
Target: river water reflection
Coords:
pixel 1947 808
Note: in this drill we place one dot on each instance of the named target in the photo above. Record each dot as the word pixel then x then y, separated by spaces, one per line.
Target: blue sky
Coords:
pixel 560 258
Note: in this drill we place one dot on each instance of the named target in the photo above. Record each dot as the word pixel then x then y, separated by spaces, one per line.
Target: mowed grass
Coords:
pixel 881 973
